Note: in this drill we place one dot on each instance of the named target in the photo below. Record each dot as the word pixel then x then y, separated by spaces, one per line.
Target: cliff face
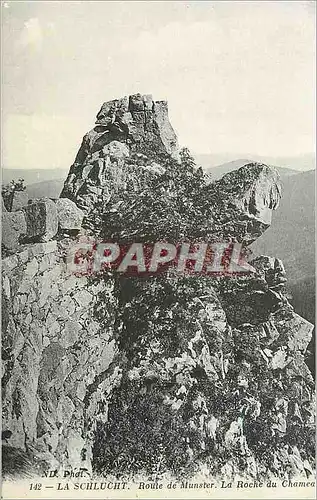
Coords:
pixel 165 374
pixel 55 344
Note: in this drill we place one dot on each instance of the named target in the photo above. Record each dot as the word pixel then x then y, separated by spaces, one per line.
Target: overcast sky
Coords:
pixel 239 76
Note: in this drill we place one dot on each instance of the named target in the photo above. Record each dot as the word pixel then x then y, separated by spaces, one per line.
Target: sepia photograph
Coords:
pixel 158 249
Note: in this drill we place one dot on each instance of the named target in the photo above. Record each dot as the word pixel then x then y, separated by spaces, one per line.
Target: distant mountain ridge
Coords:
pixel 291 236
pixel 300 163
pixel 218 163
pixel 39 182
pixel 217 172
pixel 49 189
pixel 32 176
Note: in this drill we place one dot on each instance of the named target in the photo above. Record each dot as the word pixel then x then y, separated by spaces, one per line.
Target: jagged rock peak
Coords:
pixel 138 119
pixel 124 128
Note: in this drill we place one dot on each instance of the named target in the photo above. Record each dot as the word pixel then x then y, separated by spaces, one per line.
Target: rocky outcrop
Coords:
pixel 171 373
pixel 244 201
pixel 124 128
pixel 206 386
pixel 127 151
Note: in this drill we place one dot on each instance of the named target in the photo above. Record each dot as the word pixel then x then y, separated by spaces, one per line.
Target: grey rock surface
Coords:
pixel 41 219
pixel 69 215
pixel 20 200
pixel 124 128
pixel 13 229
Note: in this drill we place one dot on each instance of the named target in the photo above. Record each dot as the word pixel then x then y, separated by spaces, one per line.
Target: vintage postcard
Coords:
pixel 158 259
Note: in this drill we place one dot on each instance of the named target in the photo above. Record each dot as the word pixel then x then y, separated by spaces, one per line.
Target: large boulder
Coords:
pixel 70 217
pixel 13 229
pixel 42 220
pixel 242 202
pixel 20 200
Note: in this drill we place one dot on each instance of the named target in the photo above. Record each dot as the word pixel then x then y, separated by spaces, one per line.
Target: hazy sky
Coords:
pixel 239 76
